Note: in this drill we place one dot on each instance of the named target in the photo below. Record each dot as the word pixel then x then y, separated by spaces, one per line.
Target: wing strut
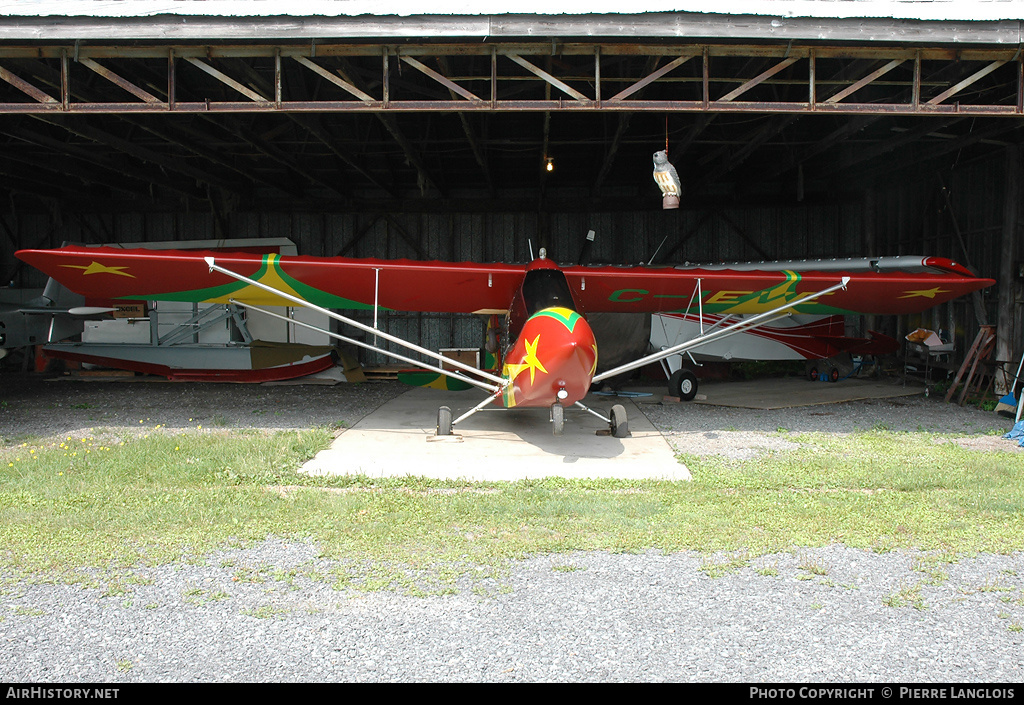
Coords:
pixel 494 389
pixel 498 383
pixel 740 327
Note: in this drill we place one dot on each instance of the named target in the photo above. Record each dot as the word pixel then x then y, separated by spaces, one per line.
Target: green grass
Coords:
pixel 67 504
pixel 906 595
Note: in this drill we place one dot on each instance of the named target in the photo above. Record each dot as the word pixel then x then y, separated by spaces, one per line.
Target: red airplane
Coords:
pixel 550 359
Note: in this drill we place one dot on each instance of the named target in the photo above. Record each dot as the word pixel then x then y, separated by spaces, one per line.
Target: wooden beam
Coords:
pixel 651 78
pixel 474 143
pixel 340 83
pixel 743 234
pixel 620 131
pixel 666 257
pixel 26 87
pixel 311 123
pixel 358 236
pixel 450 85
pixel 391 126
pixel 1008 253
pixel 760 78
pixel 120 82
pixel 404 234
pixel 548 78
pixel 227 80
pixel 881 71
pixel 941 97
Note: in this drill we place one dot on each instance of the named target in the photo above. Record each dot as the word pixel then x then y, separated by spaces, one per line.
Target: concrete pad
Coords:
pixel 496 444
pixel 788 392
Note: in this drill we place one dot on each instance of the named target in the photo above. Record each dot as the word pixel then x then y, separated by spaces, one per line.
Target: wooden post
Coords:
pixel 870 246
pixel 1006 334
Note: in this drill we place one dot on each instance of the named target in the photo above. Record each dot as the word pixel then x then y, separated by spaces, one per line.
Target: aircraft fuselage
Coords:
pixel 554 354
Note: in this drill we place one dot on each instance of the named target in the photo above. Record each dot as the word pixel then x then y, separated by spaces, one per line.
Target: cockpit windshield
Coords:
pixel 543 288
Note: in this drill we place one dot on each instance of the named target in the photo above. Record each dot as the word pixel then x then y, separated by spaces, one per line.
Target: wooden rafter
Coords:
pixel 721 66
pixel 226 80
pixel 474 143
pixel 757 80
pixel 973 78
pixel 340 83
pixel 119 81
pixel 856 86
pixel 396 133
pixel 650 78
pixel 548 78
pixel 450 85
pixel 27 88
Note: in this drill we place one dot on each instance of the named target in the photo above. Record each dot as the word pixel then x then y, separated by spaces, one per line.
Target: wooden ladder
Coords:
pixel 981 348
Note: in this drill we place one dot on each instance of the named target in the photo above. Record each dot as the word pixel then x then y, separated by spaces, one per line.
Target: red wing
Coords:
pixel 747 289
pixel 332 282
pixel 908 285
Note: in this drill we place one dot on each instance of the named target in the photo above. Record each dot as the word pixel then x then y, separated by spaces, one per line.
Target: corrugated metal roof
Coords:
pixel 959 10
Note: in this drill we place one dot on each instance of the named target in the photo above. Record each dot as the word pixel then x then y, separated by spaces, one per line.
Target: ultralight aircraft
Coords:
pixel 549 353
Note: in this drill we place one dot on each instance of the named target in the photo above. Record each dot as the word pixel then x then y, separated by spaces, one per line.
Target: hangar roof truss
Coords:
pixel 537 76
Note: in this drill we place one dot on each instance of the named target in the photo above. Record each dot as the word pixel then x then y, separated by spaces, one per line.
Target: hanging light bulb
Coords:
pixel 549 164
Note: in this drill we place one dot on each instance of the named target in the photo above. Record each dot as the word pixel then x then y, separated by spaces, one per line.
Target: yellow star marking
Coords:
pixel 97 268
pixel 928 293
pixel 512 370
pixel 531 361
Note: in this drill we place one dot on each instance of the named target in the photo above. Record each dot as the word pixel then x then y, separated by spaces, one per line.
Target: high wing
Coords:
pixel 896 285
pixel 884 286
pixel 330 282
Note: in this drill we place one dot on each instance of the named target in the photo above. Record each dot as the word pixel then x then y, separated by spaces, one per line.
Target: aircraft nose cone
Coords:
pixel 556 353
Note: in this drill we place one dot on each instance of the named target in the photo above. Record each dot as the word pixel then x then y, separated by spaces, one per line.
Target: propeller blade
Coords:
pixel 90 310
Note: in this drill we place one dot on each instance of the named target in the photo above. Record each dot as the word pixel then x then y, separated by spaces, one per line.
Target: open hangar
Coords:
pixel 799 132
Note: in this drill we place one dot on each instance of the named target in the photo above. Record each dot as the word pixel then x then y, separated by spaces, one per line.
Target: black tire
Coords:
pixel 813 374
pixel 620 425
pixel 682 384
pixel 833 374
pixel 557 419
pixel 444 421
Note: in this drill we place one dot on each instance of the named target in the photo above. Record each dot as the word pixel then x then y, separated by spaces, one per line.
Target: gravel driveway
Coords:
pixel 828 614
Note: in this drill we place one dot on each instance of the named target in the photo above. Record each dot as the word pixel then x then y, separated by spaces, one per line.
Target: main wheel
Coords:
pixel 833 375
pixel 557 419
pixel 620 426
pixel 682 384
pixel 813 374
pixel 444 421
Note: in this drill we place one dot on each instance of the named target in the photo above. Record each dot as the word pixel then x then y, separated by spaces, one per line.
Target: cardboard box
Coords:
pixel 130 310
pixel 467 356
